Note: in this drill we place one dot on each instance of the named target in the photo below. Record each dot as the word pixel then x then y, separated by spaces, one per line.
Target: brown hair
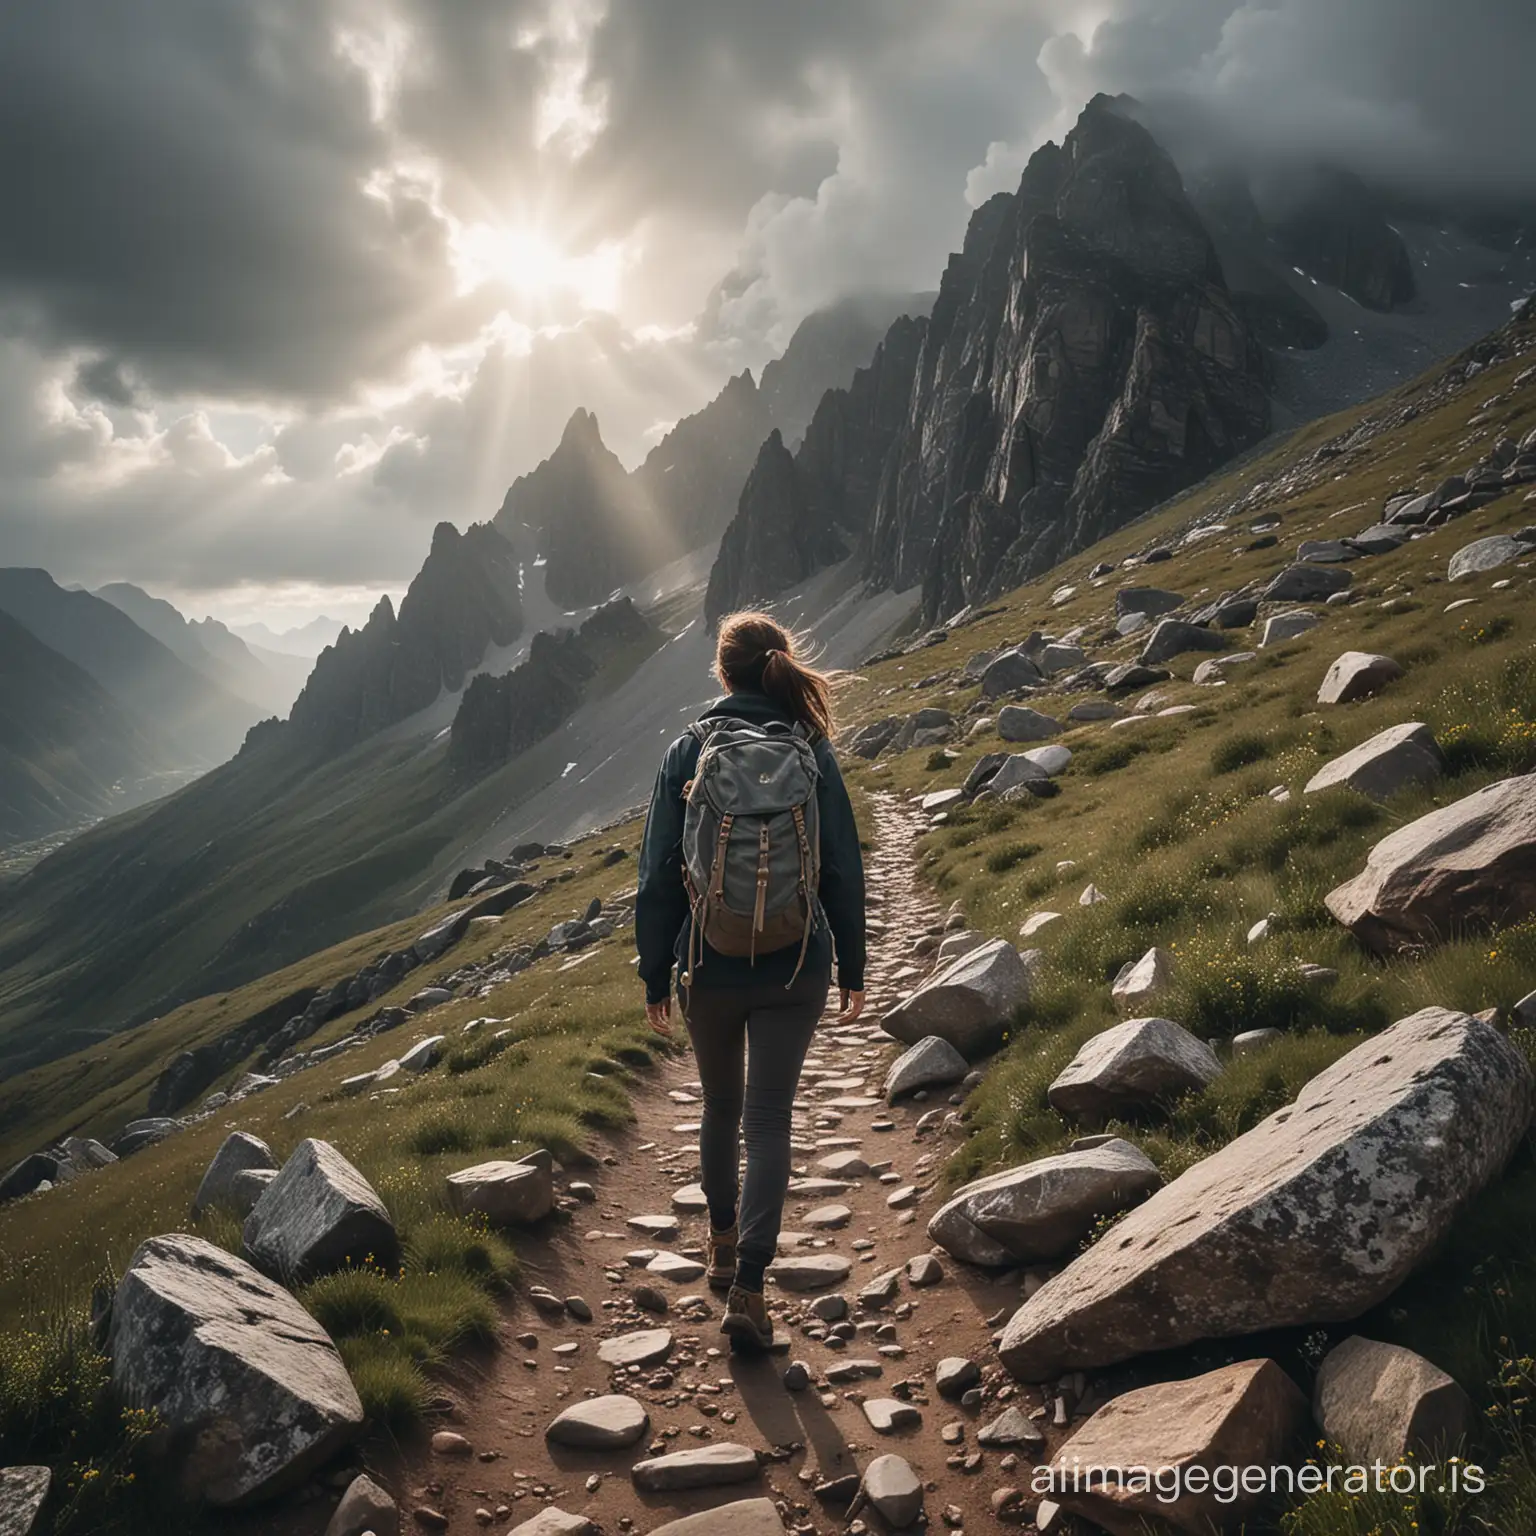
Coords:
pixel 755 651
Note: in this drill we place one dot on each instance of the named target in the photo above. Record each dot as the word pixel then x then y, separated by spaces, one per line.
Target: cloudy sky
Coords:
pixel 284 282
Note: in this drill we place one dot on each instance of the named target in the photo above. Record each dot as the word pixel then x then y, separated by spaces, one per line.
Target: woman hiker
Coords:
pixel 750 875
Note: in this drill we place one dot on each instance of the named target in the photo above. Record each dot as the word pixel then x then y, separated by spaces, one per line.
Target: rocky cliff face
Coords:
pixel 499 717
pixel 827 348
pixel 779 536
pixel 1083 360
pixel 691 480
pixel 582 515
pixel 799 514
pixel 464 600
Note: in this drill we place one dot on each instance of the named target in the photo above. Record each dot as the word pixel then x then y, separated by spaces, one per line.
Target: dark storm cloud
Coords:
pixel 182 186
pixel 1433 96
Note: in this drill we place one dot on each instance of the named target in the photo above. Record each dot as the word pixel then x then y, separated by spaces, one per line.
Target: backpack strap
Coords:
pixel 803 839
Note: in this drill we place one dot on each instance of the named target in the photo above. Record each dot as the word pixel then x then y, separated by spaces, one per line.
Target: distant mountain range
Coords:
pixel 68 751
pixel 305 640
pixel 119 699
pixel 595 527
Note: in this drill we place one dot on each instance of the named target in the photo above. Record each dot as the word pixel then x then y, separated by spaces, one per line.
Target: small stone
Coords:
pixel 797 1376
pixel 446 1443
pixel 923 1269
pixel 578 1309
pixel 894 1491
pixel 1010 1427
pixel 887 1414
pixel 711 1466
pixel 600 1423
pixel 647 1346
pixel 954 1376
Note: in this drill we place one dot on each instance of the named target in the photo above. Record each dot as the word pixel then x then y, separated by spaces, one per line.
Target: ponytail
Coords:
pixel 754 651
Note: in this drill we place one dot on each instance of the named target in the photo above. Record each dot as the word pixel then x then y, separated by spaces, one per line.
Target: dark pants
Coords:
pixel 775 1024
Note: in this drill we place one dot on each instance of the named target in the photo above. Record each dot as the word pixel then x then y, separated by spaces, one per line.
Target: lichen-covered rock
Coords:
pixel 1315 1215
pixel 1250 1414
pixel 1487 555
pixel 1041 1210
pixel 23 1492
pixel 1381 1402
pixel 1392 760
pixel 317 1215
pixel 970 1003
pixel 233 1366
pixel 240 1153
pixel 1467 865
pixel 1131 1066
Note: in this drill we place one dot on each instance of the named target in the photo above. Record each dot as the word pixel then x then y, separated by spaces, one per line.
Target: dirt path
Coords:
pixel 700 1393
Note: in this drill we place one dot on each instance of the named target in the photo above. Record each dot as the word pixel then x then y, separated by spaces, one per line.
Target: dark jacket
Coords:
pixel 662 919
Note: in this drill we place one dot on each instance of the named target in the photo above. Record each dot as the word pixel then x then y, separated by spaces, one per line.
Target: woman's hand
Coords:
pixel 659 1016
pixel 853 1006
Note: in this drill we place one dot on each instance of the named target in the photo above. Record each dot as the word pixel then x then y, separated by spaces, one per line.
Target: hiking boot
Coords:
pixel 746 1319
pixel 722 1259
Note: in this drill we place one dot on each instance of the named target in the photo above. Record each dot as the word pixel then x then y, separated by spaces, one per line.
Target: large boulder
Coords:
pixel 23 1492
pixel 1173 637
pixel 1017 722
pixel 1316 1214
pixel 1357 675
pixel 33 1171
pixel 148 1132
pixel 240 1153
pixel 318 1215
pixel 927 1064
pixel 1152 601
pixel 1040 1211
pixel 1280 627
pixel 1306 583
pixel 1140 980
pixel 1392 760
pixel 970 1003
pixel 1130 1066
pixel 1381 1402
pixel 1176 1435
pixel 245 1379
pixel 505 1193
pixel 1487 555
pixel 1468 864
pixel 1018 769
pixel 1011 671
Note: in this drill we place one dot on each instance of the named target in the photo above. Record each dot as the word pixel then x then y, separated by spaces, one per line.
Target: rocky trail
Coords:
pixel 883 1344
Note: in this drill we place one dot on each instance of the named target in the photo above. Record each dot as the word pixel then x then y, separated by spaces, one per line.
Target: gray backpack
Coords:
pixel 751 840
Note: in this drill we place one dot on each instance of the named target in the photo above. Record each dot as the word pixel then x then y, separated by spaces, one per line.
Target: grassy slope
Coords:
pixel 1171 819
pixel 253 867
